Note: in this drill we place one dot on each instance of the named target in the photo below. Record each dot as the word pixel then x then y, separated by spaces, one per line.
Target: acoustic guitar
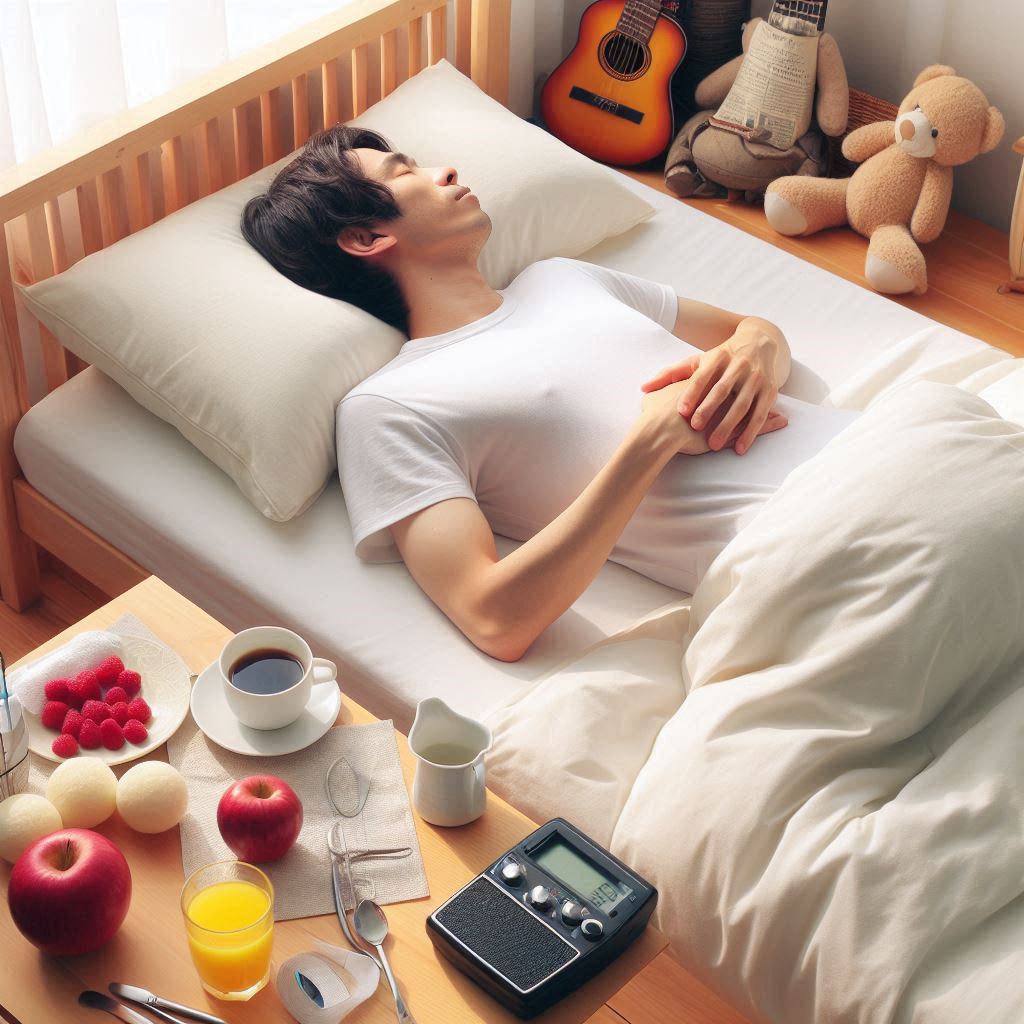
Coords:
pixel 611 97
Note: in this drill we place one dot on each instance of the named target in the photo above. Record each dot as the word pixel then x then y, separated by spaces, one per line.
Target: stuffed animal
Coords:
pixel 899 196
pixel 707 161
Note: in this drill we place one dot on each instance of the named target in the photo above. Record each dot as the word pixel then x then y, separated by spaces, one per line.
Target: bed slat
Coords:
pixel 360 59
pixel 172 160
pixel 300 110
pixel 211 171
pixel 415 58
pixel 270 121
pixel 438 34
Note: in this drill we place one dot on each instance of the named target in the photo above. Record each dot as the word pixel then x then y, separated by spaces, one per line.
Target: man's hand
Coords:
pixel 737 380
pixel 659 408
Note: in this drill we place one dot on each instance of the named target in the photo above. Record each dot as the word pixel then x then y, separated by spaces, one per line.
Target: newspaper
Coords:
pixel 771 99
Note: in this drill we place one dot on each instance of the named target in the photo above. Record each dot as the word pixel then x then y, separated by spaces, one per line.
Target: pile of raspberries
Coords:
pixel 100 706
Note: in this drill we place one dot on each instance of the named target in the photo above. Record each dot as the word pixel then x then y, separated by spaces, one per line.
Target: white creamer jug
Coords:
pixel 450 787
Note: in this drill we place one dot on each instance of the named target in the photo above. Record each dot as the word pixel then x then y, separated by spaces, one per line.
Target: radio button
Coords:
pixel 572 913
pixel 592 929
pixel 539 897
pixel 512 873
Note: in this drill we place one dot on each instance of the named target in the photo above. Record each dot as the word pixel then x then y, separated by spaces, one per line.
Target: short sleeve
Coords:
pixel 392 462
pixel 655 300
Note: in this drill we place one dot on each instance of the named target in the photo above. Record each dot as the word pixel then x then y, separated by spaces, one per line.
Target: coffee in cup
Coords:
pixel 268 674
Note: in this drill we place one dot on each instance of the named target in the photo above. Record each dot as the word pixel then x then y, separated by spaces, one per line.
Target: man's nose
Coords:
pixel 448 175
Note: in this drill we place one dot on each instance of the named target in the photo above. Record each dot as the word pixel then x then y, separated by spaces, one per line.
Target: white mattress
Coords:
pixel 136 482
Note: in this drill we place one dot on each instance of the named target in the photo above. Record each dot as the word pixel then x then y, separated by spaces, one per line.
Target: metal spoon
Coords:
pixel 372 926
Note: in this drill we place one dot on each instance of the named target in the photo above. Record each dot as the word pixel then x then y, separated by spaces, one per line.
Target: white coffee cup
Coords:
pixel 272 710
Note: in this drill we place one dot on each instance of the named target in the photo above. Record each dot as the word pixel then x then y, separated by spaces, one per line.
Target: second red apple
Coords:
pixel 259 818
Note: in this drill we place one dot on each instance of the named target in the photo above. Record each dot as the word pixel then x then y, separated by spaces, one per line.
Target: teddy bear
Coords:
pixel 899 195
pixel 707 161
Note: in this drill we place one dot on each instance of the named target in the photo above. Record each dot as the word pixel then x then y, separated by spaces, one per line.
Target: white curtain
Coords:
pixel 67 64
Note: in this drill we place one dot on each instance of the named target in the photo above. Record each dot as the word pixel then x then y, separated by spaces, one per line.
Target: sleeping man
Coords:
pixel 551 411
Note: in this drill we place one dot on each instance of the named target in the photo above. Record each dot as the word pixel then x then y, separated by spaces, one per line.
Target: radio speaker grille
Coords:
pixel 505 934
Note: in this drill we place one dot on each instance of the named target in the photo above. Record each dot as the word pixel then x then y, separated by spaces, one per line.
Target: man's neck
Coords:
pixel 443 302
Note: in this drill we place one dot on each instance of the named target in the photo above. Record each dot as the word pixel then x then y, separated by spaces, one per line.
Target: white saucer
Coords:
pixel 212 714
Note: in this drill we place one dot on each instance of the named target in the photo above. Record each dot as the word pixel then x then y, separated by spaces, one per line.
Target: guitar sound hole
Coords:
pixel 623 56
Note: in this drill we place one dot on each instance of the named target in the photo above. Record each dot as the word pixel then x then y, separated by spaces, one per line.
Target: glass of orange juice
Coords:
pixel 229 918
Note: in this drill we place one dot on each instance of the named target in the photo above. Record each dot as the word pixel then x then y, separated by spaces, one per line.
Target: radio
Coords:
pixel 543 918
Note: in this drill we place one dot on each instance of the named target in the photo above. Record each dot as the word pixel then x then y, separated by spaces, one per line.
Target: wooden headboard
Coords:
pixel 131 170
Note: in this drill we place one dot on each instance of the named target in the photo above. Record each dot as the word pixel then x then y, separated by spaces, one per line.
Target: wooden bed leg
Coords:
pixel 19 561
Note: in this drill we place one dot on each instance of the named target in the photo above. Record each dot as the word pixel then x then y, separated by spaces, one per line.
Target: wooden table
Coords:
pixel 150 949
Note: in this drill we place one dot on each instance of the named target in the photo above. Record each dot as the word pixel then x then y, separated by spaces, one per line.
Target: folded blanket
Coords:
pixel 835 815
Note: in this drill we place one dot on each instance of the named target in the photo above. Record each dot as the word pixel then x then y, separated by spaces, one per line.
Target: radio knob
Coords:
pixel 572 913
pixel 539 897
pixel 592 928
pixel 512 872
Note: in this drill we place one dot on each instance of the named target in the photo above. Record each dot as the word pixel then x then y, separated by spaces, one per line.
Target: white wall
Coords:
pixel 884 44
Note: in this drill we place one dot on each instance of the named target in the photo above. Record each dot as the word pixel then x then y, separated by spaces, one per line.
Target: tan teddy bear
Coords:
pixel 900 194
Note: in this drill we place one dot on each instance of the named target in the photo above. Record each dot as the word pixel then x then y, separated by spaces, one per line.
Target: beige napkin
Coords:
pixel 302 878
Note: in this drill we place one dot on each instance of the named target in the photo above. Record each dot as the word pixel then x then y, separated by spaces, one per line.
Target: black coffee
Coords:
pixel 266 671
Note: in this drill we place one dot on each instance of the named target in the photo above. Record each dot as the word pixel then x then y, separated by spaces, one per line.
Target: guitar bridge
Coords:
pixel 604 103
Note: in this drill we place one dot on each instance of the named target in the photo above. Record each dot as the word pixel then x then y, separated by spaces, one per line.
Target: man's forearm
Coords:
pixel 532 586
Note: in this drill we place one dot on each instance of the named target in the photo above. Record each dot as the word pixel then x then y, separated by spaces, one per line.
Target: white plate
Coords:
pixel 164 688
pixel 212 714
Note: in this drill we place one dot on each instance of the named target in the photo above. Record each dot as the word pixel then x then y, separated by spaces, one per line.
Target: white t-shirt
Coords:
pixel 520 409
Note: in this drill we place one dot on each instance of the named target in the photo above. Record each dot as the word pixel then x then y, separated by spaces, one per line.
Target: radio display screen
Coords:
pixel 593 885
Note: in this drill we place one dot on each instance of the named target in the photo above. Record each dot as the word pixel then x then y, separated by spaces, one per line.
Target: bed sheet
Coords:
pixel 135 481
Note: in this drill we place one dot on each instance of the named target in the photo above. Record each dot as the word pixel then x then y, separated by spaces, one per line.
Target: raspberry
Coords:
pixel 53 714
pixel 65 745
pixel 130 682
pixel 135 731
pixel 119 712
pixel 111 734
pixel 97 710
pixel 108 670
pixel 139 709
pixel 72 723
pixel 89 736
pixel 85 686
pixel 57 689
pixel 116 695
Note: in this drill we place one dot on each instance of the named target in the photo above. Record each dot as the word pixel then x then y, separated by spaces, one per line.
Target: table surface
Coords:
pixel 150 949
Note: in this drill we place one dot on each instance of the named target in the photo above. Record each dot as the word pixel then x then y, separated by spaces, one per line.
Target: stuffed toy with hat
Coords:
pixel 899 195
pixel 706 161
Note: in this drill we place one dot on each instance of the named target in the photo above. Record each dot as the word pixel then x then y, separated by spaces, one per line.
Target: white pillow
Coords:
pixel 202 331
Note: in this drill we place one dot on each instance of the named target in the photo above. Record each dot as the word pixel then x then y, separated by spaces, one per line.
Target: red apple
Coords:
pixel 69 891
pixel 259 818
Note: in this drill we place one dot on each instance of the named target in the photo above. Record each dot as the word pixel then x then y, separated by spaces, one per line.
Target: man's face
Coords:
pixel 440 216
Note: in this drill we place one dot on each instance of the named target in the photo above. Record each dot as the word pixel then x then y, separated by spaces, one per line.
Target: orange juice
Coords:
pixel 230 933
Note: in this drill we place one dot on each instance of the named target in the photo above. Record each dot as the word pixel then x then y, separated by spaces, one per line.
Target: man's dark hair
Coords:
pixel 295 224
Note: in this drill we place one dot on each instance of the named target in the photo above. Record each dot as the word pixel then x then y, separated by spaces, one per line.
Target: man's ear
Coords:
pixel 363 241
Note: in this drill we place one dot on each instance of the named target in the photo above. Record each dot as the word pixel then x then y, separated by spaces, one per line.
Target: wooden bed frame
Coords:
pixel 130 171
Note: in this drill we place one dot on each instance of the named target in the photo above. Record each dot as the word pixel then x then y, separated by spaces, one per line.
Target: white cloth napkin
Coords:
pixel 302 878
pixel 86 650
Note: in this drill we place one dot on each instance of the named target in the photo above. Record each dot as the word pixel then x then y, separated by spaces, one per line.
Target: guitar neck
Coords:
pixel 638 19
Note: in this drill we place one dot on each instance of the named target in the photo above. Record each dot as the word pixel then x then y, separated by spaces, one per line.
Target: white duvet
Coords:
pixel 818 763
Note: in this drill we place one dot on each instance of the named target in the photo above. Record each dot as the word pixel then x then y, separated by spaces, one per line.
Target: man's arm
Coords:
pixel 745 362
pixel 503 605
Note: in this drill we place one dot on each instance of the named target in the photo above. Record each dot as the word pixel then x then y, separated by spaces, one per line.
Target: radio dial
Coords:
pixel 592 928
pixel 572 913
pixel 513 872
pixel 539 897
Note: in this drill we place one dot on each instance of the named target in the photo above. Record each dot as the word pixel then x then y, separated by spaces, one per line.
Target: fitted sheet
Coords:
pixel 136 482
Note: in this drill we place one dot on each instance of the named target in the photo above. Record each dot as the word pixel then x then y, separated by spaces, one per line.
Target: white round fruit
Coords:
pixel 24 818
pixel 84 791
pixel 152 796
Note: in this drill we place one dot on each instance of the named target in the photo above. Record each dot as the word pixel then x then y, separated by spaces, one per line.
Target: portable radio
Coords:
pixel 543 918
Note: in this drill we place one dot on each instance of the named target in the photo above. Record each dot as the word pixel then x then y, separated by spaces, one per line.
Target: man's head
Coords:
pixel 351 219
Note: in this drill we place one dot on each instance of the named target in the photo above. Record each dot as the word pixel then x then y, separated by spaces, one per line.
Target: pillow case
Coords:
pixel 192 322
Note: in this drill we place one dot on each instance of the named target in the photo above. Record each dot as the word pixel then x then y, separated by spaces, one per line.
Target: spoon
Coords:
pixel 372 926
